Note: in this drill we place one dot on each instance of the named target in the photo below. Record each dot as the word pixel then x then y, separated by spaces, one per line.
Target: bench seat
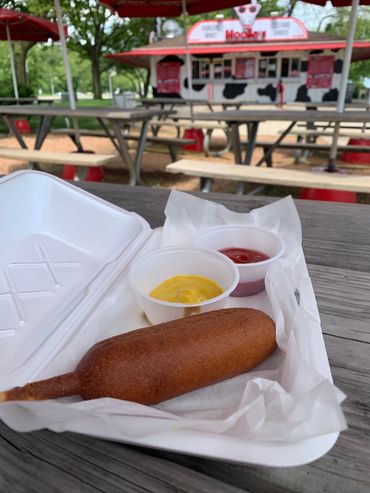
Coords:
pixel 101 133
pixel 312 146
pixel 189 124
pixel 173 143
pixel 51 157
pixel 271 176
pixel 323 133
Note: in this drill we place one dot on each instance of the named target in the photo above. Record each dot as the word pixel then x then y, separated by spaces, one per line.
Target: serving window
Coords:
pixel 222 68
pixel 201 69
pixel 267 68
pixel 290 67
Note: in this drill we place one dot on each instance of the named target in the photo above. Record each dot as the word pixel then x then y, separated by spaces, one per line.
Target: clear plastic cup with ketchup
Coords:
pixel 251 248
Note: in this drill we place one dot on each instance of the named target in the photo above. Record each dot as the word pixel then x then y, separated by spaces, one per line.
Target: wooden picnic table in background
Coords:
pixel 252 119
pixel 111 120
pixel 336 242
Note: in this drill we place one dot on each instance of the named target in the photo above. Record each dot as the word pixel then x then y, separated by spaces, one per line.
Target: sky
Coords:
pixel 313 16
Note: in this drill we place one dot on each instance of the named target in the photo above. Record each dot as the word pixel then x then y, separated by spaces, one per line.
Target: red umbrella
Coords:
pixel 18 26
pixel 167 8
pixel 337 3
pixel 26 27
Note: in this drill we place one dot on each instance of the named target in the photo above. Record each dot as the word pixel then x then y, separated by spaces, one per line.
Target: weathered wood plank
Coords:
pixel 329 228
pixel 343 301
pixel 79 159
pixel 271 176
pixel 77 463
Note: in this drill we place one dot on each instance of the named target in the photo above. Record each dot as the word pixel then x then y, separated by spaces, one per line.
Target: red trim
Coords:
pixel 240 48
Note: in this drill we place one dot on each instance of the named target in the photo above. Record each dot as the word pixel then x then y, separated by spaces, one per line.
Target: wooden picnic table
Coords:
pixel 252 119
pixel 336 242
pixel 110 119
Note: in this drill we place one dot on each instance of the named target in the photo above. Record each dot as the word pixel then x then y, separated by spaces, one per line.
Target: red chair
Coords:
pixel 197 134
pixel 357 157
pixel 94 173
pixel 22 126
pixel 328 195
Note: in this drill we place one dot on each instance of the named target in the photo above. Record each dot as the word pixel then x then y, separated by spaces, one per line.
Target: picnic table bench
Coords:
pixel 207 126
pixel 268 176
pixel 324 133
pixel 110 120
pixel 173 143
pixel 269 147
pixel 252 119
pixel 80 160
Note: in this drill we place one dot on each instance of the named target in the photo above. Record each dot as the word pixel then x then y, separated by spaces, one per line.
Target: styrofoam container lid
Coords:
pixel 61 250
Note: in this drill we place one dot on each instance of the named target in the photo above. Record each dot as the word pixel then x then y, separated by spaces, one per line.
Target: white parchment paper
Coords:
pixel 289 398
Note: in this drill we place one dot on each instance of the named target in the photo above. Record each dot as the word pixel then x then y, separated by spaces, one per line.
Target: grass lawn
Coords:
pixel 89 123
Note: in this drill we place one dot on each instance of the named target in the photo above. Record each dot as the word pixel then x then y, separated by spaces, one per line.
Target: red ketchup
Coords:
pixel 244 255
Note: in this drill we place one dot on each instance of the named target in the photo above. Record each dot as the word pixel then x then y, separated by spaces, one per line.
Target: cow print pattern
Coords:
pixel 196 87
pixel 331 95
pixel 269 91
pixel 231 91
pixel 338 66
pixel 157 94
pixel 302 94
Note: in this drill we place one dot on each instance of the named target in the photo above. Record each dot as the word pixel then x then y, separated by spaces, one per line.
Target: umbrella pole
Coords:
pixel 344 81
pixel 67 68
pixel 12 62
pixel 188 59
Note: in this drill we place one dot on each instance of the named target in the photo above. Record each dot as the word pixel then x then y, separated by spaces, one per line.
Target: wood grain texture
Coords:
pixel 79 159
pixel 271 176
pixel 336 239
pixel 128 115
pixel 244 116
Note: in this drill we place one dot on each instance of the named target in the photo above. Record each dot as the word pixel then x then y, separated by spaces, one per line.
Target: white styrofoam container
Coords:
pixel 64 260
pixel 61 249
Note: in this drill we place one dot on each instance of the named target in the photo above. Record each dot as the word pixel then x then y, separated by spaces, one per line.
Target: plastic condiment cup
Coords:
pixel 252 275
pixel 153 268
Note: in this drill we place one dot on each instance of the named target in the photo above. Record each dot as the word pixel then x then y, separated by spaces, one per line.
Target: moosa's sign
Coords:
pixel 247 28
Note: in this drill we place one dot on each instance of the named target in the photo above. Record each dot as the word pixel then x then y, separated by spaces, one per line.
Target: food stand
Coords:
pixel 248 59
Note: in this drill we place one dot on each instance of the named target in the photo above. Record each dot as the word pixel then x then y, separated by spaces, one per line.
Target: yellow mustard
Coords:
pixel 189 289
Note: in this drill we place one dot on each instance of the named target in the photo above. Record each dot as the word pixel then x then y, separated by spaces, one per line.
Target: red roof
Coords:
pixel 175 46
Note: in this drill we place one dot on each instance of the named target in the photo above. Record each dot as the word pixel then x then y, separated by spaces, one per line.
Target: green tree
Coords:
pixel 339 25
pixel 93 32
pixel 21 48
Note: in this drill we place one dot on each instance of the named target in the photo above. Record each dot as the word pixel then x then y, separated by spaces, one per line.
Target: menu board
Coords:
pixel 244 68
pixel 168 77
pixel 320 72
